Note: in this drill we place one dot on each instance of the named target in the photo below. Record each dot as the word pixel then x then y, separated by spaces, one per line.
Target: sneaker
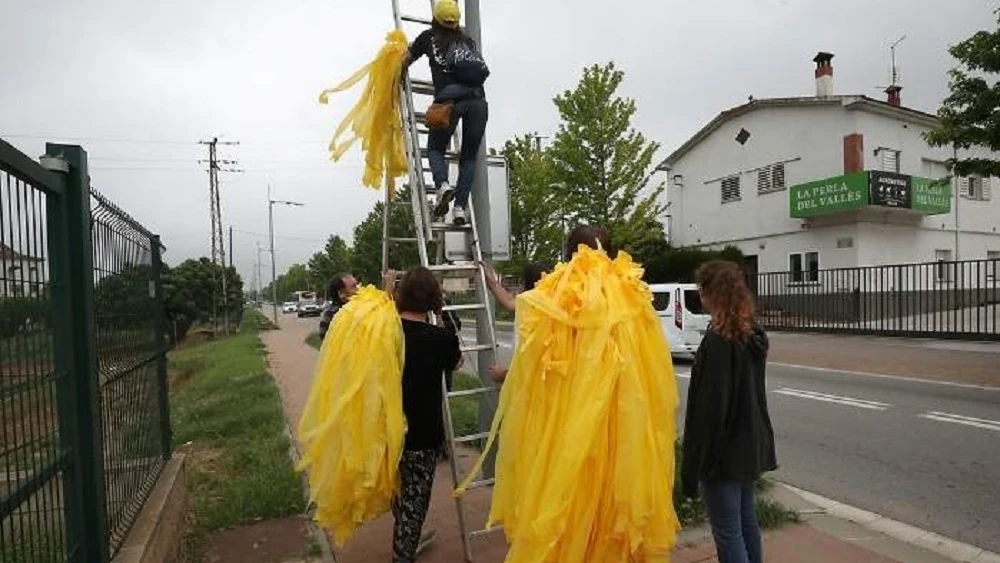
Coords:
pixel 426 541
pixel 445 194
pixel 459 216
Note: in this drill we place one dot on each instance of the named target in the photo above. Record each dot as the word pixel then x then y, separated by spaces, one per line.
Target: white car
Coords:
pixel 289 307
pixel 682 316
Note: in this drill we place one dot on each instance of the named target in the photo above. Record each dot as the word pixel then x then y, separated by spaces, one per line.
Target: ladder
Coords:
pixel 430 232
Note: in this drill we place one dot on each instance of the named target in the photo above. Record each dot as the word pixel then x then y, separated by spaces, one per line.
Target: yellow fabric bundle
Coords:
pixel 376 118
pixel 352 428
pixel 585 466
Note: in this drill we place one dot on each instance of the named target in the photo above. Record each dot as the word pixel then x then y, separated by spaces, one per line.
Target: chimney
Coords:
pixel 893 92
pixel 824 74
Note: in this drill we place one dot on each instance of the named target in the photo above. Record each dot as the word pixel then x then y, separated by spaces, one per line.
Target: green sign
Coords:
pixel 831 195
pixel 931 197
pixel 884 190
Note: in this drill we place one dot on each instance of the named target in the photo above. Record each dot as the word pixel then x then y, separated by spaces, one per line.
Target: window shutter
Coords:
pixel 890 160
pixel 764 180
pixel 731 189
pixel 964 187
pixel 778 176
pixel 988 188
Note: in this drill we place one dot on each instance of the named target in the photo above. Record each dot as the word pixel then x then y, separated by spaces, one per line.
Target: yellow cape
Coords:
pixel 586 428
pixel 352 428
pixel 376 118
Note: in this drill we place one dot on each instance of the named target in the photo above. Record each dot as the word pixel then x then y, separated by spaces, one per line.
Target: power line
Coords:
pixel 216 165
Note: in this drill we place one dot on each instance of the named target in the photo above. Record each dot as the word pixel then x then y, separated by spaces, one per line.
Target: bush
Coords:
pixel 18 313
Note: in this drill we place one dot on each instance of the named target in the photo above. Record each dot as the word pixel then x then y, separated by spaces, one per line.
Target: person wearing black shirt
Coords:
pixel 430 351
pixel 469 106
pixel 728 437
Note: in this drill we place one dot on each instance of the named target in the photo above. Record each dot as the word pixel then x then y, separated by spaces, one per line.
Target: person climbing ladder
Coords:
pixel 458 72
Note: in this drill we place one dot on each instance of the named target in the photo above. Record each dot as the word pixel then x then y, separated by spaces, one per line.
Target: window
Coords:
pixel 974 187
pixel 731 189
pixel 771 178
pixel 692 301
pixel 944 265
pixel 992 268
pixel 661 300
pixel 889 159
pixel 804 267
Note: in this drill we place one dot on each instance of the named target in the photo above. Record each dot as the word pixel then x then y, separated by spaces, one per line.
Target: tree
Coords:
pixel 367 255
pixel 536 228
pixel 334 259
pixel 970 115
pixel 190 291
pixel 603 165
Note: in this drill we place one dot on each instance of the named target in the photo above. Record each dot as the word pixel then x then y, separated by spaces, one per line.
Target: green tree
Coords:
pixel 367 255
pixel 603 165
pixel 190 292
pixel 969 115
pixel 335 258
pixel 536 229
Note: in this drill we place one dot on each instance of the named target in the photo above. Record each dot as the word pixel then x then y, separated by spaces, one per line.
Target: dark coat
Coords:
pixel 727 428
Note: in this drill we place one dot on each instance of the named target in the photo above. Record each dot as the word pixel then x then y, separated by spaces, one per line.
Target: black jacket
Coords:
pixel 326 317
pixel 727 429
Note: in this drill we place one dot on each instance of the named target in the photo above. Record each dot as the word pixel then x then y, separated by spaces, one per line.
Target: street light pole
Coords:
pixel 270 228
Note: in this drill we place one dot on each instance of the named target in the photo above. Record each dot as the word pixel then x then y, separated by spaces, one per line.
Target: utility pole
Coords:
pixel 481 203
pixel 230 246
pixel 215 165
pixel 260 277
pixel 538 142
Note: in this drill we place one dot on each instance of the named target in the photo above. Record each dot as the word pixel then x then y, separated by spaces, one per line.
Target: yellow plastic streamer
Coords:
pixel 352 428
pixel 585 466
pixel 376 118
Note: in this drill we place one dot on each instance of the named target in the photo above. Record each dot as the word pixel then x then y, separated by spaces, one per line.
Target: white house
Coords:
pixel 828 181
pixel 20 275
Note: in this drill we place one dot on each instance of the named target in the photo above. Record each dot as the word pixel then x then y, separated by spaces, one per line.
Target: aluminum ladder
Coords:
pixel 431 233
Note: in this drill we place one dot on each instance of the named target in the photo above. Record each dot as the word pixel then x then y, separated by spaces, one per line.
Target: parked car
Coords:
pixel 682 316
pixel 289 307
pixel 309 309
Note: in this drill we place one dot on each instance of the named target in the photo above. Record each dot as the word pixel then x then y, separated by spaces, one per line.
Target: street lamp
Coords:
pixel 270 225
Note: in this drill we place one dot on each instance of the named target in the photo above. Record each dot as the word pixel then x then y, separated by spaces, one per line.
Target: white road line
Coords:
pixel 966 420
pixel 860 403
pixel 991 388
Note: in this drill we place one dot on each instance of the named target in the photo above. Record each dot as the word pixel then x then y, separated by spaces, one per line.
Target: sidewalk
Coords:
pixel 820 539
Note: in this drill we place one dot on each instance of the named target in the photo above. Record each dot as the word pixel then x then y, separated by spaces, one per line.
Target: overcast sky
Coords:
pixel 138 83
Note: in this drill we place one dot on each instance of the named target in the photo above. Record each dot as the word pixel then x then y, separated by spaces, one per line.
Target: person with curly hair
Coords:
pixel 728 438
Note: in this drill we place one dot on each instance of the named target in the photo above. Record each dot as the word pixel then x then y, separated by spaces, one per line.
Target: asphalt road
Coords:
pixel 927 454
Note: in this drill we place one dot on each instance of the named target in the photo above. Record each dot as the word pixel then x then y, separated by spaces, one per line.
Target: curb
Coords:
pixel 931 541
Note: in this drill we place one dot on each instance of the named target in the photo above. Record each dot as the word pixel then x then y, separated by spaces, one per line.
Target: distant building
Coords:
pixel 20 275
pixel 828 181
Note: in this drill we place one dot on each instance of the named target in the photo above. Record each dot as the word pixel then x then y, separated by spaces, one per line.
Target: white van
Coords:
pixel 682 317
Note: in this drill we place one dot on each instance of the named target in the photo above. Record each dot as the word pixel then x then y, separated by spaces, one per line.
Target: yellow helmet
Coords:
pixel 446 13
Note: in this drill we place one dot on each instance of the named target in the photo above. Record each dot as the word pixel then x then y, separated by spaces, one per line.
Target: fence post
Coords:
pixel 162 384
pixel 79 400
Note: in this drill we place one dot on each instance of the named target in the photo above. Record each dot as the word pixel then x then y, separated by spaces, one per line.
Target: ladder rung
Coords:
pixel 420 117
pixel 449 155
pixel 469 392
pixel 476 348
pixel 425 87
pixel 481 533
pixel 415 19
pixel 471 437
pixel 403 239
pixel 453 267
pixel 438 226
pixel 465 307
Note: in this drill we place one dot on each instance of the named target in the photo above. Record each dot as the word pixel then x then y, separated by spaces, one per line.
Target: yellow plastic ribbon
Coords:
pixel 352 428
pixel 376 118
pixel 585 422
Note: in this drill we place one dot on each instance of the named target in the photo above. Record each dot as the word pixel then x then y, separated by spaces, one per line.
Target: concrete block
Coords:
pixel 156 535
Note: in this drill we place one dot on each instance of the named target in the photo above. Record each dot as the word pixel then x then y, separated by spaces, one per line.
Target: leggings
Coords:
pixel 409 508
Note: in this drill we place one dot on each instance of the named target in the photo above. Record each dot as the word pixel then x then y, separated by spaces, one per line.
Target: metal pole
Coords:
pixel 260 278
pixel 274 274
pixel 481 205
pixel 957 183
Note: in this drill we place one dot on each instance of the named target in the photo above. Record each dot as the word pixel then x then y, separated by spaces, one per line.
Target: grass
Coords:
pixel 29 545
pixel 227 417
pixel 314 340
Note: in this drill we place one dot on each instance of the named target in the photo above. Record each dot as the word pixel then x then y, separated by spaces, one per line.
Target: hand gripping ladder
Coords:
pixel 427 232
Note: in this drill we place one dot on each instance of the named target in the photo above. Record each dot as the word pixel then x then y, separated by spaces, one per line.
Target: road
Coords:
pixel 927 454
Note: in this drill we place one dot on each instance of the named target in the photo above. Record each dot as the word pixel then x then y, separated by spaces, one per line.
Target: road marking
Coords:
pixel 887 376
pixel 849 401
pixel 960 419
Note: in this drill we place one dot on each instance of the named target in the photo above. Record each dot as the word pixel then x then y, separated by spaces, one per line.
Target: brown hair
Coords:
pixel 533 273
pixel 732 306
pixel 588 236
pixel 419 292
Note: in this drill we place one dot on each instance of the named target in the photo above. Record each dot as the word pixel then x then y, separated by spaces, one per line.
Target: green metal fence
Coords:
pixel 84 423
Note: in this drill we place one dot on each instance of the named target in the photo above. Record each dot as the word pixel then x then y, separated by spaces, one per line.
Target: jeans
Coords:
pixel 733 518
pixel 473 113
